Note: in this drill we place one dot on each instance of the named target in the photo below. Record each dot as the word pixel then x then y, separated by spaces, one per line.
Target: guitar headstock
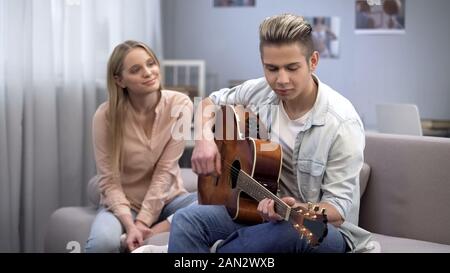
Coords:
pixel 310 223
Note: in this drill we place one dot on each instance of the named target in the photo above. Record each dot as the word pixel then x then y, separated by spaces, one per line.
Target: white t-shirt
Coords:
pixel 285 131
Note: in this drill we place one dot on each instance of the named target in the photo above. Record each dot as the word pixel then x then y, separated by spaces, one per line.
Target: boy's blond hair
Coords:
pixel 286 29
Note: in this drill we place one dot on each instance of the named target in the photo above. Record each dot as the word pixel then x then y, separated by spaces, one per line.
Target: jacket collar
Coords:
pixel 320 107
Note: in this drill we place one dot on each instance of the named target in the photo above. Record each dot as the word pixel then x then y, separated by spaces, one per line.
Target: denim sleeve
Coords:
pixel 238 95
pixel 341 180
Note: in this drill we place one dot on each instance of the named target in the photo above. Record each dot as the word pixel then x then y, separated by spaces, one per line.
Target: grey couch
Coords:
pixel 405 188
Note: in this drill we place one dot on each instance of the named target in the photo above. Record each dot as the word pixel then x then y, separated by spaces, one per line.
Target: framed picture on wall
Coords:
pixel 234 3
pixel 325 35
pixel 379 16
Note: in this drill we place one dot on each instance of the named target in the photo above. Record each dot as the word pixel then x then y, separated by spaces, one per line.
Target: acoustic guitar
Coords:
pixel 251 166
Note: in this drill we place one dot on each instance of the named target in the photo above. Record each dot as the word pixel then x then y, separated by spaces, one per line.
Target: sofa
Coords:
pixel 405 191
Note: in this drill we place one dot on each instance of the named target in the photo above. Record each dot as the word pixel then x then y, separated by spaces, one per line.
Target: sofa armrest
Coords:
pixel 68 229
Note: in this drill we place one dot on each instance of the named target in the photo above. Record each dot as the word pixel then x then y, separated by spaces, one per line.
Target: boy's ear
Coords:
pixel 314 61
pixel 119 81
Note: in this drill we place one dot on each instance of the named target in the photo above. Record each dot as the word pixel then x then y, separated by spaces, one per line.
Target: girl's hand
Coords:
pixel 144 229
pixel 134 238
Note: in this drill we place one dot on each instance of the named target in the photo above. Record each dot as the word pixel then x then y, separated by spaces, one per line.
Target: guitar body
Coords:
pixel 261 159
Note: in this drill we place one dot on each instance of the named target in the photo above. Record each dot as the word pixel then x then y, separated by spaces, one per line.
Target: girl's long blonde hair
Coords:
pixel 118 97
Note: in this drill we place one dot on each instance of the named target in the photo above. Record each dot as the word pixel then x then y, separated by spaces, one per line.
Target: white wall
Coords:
pixel 412 67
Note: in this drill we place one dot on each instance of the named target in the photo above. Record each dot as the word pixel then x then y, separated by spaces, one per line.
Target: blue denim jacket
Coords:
pixel 328 152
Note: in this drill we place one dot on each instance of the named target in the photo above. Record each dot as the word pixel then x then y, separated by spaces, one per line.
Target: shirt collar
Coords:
pixel 319 109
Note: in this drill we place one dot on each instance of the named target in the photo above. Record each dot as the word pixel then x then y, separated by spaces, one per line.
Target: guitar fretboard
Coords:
pixel 259 192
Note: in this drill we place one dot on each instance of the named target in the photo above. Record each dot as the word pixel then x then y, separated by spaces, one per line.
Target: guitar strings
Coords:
pixel 282 206
pixel 277 200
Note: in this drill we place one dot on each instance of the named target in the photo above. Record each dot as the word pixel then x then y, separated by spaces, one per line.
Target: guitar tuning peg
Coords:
pixel 324 211
pixel 316 208
pixel 310 205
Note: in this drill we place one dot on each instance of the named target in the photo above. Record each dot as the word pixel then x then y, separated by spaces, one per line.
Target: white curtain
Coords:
pixel 53 56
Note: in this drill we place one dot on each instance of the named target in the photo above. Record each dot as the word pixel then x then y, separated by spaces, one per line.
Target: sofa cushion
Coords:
pixel 391 244
pixel 364 175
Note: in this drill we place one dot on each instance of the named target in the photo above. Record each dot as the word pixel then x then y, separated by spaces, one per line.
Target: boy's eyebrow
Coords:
pixel 296 63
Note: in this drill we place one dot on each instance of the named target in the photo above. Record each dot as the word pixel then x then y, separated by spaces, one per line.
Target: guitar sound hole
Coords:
pixel 234 172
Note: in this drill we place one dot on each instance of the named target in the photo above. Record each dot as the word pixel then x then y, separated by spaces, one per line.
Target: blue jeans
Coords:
pixel 196 228
pixel 107 228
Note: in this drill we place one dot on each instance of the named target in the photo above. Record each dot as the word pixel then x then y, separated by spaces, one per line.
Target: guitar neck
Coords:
pixel 250 186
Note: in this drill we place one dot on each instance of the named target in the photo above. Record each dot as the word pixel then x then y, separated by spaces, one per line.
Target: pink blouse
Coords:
pixel 150 175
